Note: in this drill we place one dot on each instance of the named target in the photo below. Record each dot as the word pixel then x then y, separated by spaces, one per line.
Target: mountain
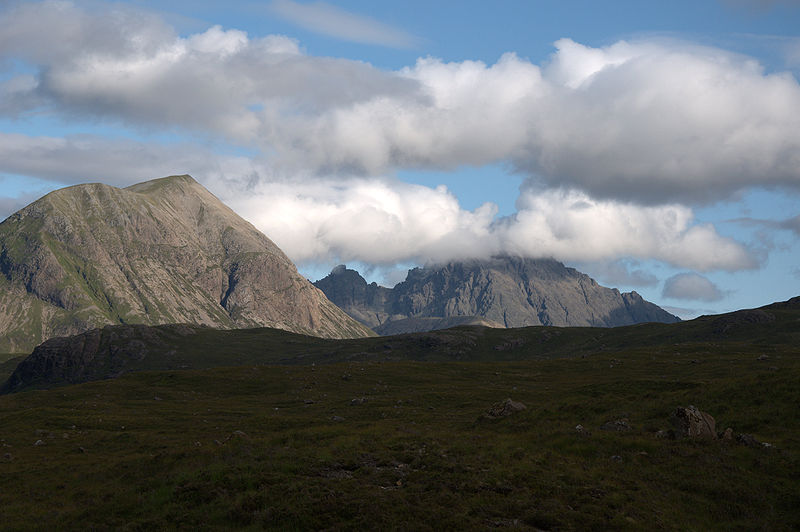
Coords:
pixel 512 292
pixel 163 251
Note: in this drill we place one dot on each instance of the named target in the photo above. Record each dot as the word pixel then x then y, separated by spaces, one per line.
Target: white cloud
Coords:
pixel 371 220
pixel 385 222
pixel 646 122
pixel 321 17
pixel 615 142
pixel 692 287
pixel 571 225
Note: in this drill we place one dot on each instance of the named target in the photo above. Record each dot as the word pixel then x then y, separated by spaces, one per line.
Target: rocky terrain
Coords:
pixel 163 251
pixel 511 292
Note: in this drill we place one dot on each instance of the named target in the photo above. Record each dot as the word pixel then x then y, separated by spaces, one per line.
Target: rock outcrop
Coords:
pixel 509 291
pixel 163 251
pixel 691 422
pixel 93 355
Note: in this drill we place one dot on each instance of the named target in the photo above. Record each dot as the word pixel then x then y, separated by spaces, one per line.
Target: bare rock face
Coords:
pixel 163 251
pixel 691 422
pixel 511 292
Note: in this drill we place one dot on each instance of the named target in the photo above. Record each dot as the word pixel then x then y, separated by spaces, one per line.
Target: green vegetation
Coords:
pixel 375 441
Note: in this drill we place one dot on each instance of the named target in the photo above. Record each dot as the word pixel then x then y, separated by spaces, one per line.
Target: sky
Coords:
pixel 652 145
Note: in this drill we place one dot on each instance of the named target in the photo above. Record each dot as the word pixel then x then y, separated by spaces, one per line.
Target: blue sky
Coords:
pixel 652 145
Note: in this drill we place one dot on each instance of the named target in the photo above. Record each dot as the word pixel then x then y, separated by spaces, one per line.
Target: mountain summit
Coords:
pixel 163 251
pixel 509 291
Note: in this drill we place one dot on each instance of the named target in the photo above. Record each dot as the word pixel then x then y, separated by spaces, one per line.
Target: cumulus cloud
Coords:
pixel 691 286
pixel 571 225
pixel 384 222
pixel 615 142
pixel 646 122
pixel 121 64
pixel 335 22
pixel 373 220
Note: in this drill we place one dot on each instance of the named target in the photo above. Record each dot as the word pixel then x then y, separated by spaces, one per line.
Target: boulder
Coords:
pixel 691 422
pixel 505 408
pixel 618 425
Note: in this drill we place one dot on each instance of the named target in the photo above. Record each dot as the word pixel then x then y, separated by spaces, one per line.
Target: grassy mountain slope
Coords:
pixel 163 251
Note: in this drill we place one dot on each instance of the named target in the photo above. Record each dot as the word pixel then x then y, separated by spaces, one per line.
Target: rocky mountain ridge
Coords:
pixel 162 251
pixel 510 291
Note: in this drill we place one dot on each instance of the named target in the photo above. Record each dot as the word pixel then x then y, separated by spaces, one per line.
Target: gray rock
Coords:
pixel 505 408
pixel 690 422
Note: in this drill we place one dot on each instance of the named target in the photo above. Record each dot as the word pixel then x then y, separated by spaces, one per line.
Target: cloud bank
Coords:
pixel 384 222
pixel 615 143
pixel 648 122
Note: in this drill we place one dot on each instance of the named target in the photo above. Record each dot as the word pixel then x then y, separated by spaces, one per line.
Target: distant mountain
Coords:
pixel 163 251
pixel 512 292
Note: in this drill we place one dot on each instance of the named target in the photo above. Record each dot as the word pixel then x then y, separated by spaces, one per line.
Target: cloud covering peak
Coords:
pixel 615 144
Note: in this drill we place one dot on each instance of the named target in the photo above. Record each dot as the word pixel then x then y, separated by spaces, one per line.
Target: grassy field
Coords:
pixel 404 445
pixel 371 440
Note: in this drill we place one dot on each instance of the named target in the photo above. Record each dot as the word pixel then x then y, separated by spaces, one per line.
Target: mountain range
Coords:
pixel 167 251
pixel 162 251
pixel 501 292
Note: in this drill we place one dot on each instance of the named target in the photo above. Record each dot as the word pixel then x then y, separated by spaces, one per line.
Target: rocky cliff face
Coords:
pixel 510 291
pixel 163 251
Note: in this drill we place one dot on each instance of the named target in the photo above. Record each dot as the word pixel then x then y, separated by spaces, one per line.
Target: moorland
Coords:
pixel 264 429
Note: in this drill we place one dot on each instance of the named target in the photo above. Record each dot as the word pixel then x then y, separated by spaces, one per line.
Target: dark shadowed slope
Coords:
pixel 112 351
